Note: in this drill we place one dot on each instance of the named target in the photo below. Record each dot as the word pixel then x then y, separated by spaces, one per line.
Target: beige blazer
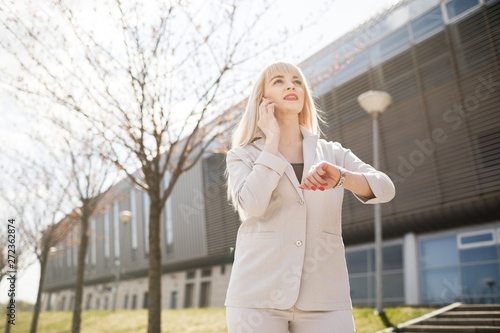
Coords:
pixel 289 249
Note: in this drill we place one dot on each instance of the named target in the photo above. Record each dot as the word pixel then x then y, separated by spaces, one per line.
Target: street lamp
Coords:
pixel 376 102
pixel 125 216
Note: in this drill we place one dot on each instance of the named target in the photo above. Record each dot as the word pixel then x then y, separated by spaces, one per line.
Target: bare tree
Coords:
pixel 157 82
pixel 58 190
pixel 89 177
pixel 38 199
pixel 90 173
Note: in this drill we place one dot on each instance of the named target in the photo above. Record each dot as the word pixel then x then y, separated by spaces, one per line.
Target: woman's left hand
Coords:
pixel 322 176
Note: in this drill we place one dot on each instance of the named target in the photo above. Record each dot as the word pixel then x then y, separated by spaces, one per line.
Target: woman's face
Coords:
pixel 286 90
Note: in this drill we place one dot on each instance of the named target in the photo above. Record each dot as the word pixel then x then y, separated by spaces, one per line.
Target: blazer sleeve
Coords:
pixel 252 184
pixel 380 184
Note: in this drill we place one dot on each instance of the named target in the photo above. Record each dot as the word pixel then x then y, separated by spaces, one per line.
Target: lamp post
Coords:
pixel 376 102
pixel 124 217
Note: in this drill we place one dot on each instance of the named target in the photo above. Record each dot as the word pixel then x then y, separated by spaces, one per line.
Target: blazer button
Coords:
pixel 301 201
pixel 298 243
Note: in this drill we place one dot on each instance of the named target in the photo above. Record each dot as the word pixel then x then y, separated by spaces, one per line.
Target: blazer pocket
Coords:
pixel 257 235
pixel 333 244
pixel 333 239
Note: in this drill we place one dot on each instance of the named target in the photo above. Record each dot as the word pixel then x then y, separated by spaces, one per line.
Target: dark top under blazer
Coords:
pixel 289 248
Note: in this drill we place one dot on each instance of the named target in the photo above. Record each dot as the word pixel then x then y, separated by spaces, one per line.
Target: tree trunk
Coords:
pixel 80 275
pixel 38 304
pixel 154 291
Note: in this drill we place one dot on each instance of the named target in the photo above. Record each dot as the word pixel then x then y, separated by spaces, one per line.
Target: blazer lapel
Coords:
pixel 309 152
pixel 309 146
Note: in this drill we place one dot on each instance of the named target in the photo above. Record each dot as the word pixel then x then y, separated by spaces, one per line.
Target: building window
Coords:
pixel 169 227
pixel 419 7
pixel 190 274
pixel 98 303
pixel 68 250
pixel 145 210
pixel 125 302
pixel 93 242
pixel 134 302
pixel 206 272
pixel 49 302
pixel 439 270
pixel 480 266
pixel 428 23
pixel 188 295
pixel 133 224
pixel 438 252
pixel 361 267
pixel 476 239
pixel 63 303
pixel 106 302
pixel 222 269
pixel 107 246
pixel 88 302
pixel 480 283
pixel 204 295
pixel 356 64
pixel 463 267
pixel 391 45
pixel 145 300
pixel 116 229
pixel 74 248
pixel 457 7
pixel 173 300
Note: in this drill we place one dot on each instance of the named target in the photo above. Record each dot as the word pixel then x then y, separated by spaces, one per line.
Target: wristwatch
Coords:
pixel 342 177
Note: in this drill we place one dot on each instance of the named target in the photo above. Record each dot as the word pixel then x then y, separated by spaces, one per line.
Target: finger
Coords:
pixel 264 103
pixel 315 182
pixel 309 184
pixel 321 169
pixel 318 179
pixel 304 187
pixel 261 113
pixel 321 176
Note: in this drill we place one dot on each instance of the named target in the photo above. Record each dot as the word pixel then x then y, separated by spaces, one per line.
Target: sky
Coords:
pixel 340 17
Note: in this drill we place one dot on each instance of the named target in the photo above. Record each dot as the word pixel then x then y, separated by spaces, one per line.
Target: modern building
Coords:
pixel 440 143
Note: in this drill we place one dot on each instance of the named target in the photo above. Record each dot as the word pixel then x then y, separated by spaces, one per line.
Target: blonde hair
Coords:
pixel 247 130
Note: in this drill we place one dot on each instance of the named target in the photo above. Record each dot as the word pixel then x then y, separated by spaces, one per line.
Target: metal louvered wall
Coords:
pixel 222 221
pixel 441 136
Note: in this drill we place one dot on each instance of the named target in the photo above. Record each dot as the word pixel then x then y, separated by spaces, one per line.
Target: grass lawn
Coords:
pixel 210 320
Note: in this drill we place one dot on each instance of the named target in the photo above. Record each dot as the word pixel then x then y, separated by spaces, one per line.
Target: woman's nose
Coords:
pixel 290 86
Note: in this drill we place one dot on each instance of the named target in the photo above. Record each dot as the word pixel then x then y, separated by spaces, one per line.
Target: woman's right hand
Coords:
pixel 267 121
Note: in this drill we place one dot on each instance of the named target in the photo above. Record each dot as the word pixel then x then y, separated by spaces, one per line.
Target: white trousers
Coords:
pixel 249 320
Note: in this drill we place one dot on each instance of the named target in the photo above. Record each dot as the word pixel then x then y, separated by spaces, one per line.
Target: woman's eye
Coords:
pixel 278 81
pixel 298 82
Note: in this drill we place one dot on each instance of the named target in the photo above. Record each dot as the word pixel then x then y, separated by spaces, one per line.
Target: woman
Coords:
pixel 289 271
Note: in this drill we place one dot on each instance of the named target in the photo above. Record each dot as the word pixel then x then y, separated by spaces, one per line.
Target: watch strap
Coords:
pixel 342 177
